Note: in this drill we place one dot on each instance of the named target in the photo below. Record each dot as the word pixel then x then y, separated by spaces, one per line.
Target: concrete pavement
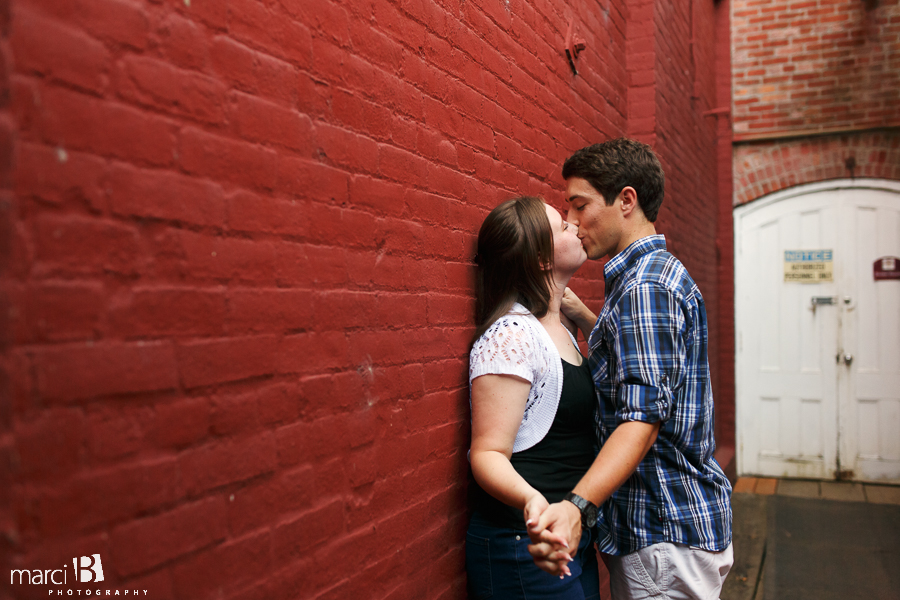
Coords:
pixel 805 540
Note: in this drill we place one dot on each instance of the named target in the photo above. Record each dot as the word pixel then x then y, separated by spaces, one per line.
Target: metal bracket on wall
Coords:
pixel 574 45
pixel 722 111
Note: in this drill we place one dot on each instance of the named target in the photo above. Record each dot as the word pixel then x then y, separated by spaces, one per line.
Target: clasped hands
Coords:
pixel 555 532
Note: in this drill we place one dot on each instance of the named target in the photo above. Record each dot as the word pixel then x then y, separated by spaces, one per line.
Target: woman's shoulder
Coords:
pixel 516 327
pixel 518 319
pixel 509 346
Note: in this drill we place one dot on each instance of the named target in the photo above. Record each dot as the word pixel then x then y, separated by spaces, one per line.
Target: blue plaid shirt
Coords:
pixel 648 355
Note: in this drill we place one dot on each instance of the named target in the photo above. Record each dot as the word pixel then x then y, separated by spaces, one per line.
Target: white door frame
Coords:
pixel 745 210
pixel 813 188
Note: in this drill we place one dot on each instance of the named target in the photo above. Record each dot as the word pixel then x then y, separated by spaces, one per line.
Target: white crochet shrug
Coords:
pixel 517 344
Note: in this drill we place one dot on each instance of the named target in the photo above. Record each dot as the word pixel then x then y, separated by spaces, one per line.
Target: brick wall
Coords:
pixel 238 274
pixel 803 66
pixel 815 84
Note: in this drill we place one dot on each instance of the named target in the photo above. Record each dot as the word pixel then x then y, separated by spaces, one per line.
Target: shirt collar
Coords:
pixel 635 250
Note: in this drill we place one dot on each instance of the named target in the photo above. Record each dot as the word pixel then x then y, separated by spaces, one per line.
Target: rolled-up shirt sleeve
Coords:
pixel 650 353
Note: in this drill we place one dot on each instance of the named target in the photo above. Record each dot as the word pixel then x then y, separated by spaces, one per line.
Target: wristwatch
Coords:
pixel 588 509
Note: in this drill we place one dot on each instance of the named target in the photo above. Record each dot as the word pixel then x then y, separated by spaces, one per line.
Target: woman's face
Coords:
pixel 568 252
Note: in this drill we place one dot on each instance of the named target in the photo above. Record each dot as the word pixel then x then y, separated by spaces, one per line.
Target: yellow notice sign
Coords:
pixel 808 266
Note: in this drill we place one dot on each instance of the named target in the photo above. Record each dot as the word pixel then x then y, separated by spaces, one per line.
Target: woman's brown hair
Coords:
pixel 514 260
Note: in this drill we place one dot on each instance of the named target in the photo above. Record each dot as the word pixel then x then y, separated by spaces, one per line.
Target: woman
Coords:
pixel 532 400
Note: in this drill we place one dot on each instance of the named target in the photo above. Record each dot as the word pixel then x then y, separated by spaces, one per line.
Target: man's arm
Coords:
pixel 569 324
pixel 618 459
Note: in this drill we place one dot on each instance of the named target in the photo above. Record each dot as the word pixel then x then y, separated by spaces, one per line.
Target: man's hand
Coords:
pixel 572 307
pixel 569 324
pixel 555 537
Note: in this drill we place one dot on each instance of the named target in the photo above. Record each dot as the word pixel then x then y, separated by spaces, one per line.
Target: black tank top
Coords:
pixel 556 464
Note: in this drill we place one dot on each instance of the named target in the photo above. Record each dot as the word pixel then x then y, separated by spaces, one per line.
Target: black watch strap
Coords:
pixel 587 508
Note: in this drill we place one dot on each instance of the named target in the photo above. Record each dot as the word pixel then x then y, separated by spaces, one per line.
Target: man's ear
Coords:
pixel 629 200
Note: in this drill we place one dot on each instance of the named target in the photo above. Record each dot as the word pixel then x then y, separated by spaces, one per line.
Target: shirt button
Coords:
pixel 518 537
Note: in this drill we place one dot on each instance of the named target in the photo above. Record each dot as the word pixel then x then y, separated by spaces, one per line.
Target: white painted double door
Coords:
pixel 818 364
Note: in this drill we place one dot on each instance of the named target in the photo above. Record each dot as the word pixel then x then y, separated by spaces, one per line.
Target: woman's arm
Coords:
pixel 498 405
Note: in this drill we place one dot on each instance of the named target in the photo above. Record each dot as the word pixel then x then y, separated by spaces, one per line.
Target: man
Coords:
pixel 664 502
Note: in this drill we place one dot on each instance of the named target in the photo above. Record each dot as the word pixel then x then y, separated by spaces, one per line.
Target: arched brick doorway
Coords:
pixel 762 168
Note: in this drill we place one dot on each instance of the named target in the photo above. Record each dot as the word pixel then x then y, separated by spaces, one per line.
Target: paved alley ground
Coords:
pixel 811 540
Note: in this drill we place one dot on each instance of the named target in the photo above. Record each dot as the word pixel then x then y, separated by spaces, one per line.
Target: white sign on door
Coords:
pixel 808 266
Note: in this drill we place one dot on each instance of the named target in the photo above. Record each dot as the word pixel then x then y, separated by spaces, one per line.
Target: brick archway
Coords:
pixel 766 167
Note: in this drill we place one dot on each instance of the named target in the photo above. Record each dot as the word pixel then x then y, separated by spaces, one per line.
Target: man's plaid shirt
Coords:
pixel 648 356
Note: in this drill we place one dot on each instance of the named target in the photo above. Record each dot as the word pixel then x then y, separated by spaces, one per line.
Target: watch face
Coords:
pixel 588 510
pixel 589 515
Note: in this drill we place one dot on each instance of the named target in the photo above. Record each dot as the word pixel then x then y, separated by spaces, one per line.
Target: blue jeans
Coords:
pixel 499 566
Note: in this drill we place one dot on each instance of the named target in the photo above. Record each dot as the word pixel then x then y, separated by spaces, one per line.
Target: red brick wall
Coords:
pixel 238 276
pixel 829 69
pixel 804 66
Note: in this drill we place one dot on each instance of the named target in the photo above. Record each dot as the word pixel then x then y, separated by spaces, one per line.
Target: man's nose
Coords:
pixel 571 217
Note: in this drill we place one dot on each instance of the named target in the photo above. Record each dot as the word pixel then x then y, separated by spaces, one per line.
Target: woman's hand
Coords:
pixel 534 507
pixel 555 538
pixel 557 556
